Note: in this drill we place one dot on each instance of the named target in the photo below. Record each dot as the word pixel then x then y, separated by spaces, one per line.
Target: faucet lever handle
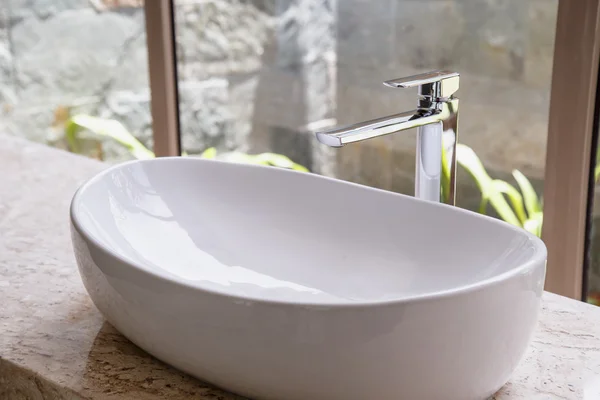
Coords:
pixel 436 84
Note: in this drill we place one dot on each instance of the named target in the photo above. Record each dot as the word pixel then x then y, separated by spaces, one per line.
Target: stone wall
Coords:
pixel 71 53
pixel 260 74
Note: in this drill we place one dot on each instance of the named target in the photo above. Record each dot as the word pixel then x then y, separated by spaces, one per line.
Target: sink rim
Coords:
pixel 538 257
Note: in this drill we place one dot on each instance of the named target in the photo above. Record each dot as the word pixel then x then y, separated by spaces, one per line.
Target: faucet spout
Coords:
pixel 342 135
pixel 436 116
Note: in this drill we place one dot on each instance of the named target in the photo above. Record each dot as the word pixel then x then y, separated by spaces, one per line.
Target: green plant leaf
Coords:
pixel 445 173
pixel 108 128
pixel 534 224
pixel 594 298
pixel 269 159
pixel 243 158
pixel 210 153
pixel 466 157
pixel 483 204
pixel 279 160
pixel 494 195
pixel 532 202
pixel 71 130
pixel 593 301
pixel 514 197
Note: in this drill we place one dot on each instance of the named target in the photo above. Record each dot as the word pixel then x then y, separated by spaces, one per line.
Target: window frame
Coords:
pixel 162 69
pixel 569 154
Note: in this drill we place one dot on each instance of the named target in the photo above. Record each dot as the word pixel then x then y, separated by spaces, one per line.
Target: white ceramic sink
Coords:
pixel 285 285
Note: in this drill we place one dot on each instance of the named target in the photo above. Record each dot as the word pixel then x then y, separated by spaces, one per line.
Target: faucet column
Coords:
pixel 428 170
pixel 435 172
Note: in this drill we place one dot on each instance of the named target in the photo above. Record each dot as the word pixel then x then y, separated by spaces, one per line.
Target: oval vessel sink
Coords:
pixel 276 284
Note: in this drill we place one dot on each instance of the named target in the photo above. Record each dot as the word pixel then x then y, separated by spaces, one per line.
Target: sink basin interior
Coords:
pixel 268 233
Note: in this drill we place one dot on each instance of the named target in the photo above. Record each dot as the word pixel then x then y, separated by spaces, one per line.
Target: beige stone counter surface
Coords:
pixel 54 344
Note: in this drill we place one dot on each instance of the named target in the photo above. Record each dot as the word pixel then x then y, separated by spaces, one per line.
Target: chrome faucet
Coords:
pixel 435 116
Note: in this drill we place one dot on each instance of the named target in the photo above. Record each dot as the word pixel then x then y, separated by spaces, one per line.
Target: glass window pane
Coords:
pixel 78 57
pixel 259 76
pixel 593 257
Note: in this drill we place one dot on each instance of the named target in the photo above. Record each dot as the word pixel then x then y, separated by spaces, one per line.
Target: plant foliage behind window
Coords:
pixel 116 131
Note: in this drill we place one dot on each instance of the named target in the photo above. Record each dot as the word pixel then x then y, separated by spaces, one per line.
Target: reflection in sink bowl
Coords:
pixel 277 284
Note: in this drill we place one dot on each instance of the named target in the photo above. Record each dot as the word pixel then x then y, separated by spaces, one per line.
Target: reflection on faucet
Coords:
pixel 437 114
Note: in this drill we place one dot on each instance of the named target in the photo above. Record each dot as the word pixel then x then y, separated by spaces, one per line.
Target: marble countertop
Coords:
pixel 54 344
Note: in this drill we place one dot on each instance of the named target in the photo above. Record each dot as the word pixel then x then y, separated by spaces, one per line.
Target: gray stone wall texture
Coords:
pixel 260 75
